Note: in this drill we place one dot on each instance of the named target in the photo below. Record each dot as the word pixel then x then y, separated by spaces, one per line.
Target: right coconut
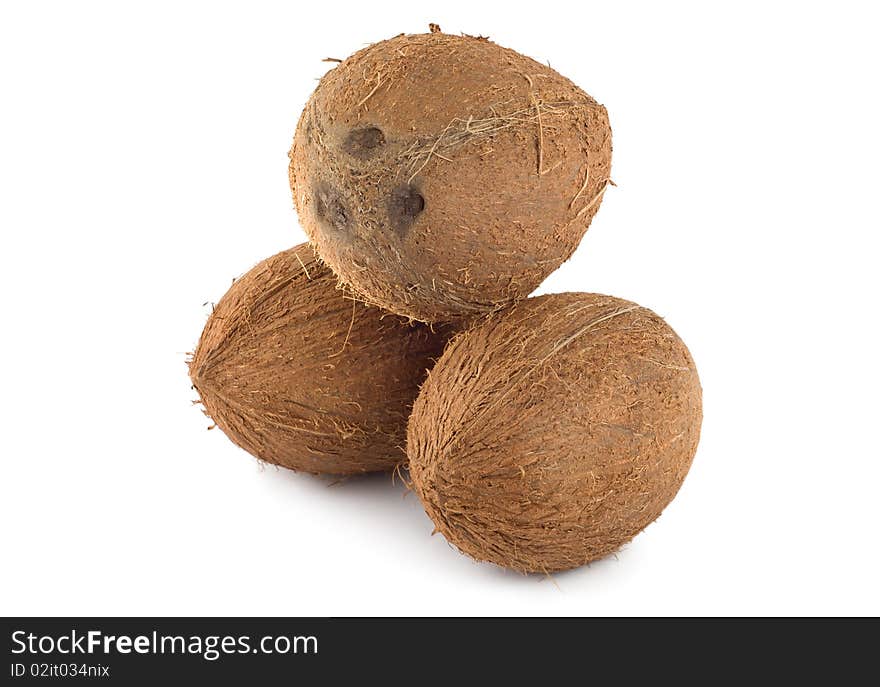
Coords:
pixel 553 432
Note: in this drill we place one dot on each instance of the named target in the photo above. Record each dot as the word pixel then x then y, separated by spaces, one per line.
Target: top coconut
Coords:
pixel 441 176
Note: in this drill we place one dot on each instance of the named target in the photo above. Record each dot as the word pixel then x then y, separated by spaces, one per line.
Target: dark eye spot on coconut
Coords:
pixel 330 209
pixel 404 206
pixel 364 143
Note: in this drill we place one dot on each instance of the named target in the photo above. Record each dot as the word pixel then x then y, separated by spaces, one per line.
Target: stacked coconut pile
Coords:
pixel 440 179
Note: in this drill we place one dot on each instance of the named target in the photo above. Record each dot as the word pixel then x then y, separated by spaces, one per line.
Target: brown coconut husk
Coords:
pixel 302 376
pixel 553 432
pixel 442 175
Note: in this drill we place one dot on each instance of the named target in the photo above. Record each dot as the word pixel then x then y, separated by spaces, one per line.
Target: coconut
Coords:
pixel 444 175
pixel 553 432
pixel 302 376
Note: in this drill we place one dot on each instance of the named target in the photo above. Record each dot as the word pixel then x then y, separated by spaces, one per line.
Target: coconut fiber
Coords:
pixel 553 432
pixel 440 175
pixel 302 376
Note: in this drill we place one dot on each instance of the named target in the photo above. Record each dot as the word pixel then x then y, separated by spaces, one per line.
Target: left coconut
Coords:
pixel 300 375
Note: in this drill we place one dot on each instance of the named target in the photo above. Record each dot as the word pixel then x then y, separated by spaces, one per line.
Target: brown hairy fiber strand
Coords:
pixel 301 376
pixel 441 176
pixel 553 432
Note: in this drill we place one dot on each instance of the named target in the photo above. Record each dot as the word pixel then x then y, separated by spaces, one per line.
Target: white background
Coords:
pixel 143 165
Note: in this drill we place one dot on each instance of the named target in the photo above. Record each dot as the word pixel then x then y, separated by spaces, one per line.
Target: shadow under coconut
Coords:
pixel 369 483
pixel 379 494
